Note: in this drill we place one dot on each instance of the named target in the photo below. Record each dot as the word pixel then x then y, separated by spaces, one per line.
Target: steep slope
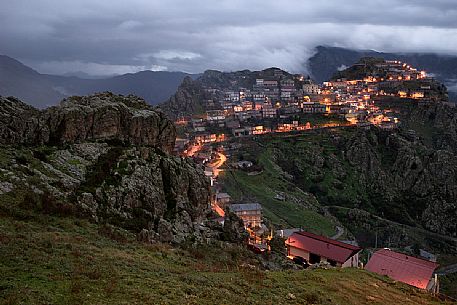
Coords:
pixel 190 98
pixel 62 260
pixel 384 173
pixel 25 83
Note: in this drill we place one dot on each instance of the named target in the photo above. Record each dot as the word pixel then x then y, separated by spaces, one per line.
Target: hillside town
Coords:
pixel 285 103
pixel 293 103
pixel 288 103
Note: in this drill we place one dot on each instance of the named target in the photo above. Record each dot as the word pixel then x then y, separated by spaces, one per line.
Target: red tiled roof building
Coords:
pixel 404 268
pixel 315 248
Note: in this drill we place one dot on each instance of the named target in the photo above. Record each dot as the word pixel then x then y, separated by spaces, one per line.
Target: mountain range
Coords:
pixel 328 60
pixel 42 90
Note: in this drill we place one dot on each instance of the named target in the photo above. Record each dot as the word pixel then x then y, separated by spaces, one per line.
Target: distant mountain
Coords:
pixel 42 90
pixel 329 60
pixel 84 75
pixel 27 84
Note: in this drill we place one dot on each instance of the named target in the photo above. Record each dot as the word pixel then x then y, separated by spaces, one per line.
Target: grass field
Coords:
pixel 298 210
pixel 56 260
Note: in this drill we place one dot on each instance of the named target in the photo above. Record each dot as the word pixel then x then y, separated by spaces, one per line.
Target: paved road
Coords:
pixel 218 163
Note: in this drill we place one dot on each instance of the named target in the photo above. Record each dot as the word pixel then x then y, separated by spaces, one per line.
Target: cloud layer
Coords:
pixel 114 36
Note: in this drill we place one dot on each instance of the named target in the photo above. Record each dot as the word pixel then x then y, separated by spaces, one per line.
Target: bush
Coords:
pixel 112 233
pixel 50 205
pixel 22 159
pixel 37 154
pixel 47 204
pixel 277 245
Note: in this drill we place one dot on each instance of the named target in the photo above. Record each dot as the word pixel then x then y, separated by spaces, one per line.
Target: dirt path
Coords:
pixel 339 232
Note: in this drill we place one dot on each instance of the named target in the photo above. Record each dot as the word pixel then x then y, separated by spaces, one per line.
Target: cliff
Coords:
pixel 105 157
pixel 189 99
pixel 78 119
pixel 390 174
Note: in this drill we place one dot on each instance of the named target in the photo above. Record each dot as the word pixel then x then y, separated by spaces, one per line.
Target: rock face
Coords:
pixel 188 99
pixel 417 182
pixel 93 118
pixel 109 156
pixel 19 122
pixel 440 122
pixel 385 173
pixel 165 195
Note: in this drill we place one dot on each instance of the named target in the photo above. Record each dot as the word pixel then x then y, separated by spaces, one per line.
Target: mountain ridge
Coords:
pixel 44 90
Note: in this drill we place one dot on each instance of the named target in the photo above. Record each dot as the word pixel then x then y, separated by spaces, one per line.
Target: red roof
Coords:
pixel 322 246
pixel 401 267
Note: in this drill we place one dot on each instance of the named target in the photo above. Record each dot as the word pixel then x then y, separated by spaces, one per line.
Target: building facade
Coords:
pixel 250 213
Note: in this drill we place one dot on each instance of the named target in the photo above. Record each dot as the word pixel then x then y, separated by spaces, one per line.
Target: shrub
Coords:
pixel 40 155
pixel 47 204
pixel 112 233
pixel 22 159
pixel 50 205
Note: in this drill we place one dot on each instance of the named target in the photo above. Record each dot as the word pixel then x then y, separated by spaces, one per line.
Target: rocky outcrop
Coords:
pixel 438 120
pixel 233 230
pixel 390 174
pixel 165 195
pixel 408 178
pixel 189 99
pixel 98 117
pixel 19 122
pixel 108 156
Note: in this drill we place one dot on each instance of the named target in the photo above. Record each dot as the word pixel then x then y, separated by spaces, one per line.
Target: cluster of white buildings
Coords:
pixel 280 102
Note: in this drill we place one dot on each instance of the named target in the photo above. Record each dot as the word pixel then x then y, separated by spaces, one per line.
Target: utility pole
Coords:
pixel 376 240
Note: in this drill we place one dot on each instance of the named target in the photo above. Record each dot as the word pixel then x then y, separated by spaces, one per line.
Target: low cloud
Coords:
pixel 176 55
pixel 342 67
pixel 95 69
pixel 106 37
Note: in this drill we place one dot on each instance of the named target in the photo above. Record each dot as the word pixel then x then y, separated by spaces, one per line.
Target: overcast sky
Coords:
pixel 102 37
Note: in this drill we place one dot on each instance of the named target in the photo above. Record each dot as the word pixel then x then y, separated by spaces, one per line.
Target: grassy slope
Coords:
pixel 52 260
pixel 264 187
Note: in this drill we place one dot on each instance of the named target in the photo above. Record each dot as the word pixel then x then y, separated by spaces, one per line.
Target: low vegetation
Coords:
pixel 64 260
pixel 298 209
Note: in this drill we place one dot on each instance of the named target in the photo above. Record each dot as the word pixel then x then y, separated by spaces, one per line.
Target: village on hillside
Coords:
pixel 285 103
